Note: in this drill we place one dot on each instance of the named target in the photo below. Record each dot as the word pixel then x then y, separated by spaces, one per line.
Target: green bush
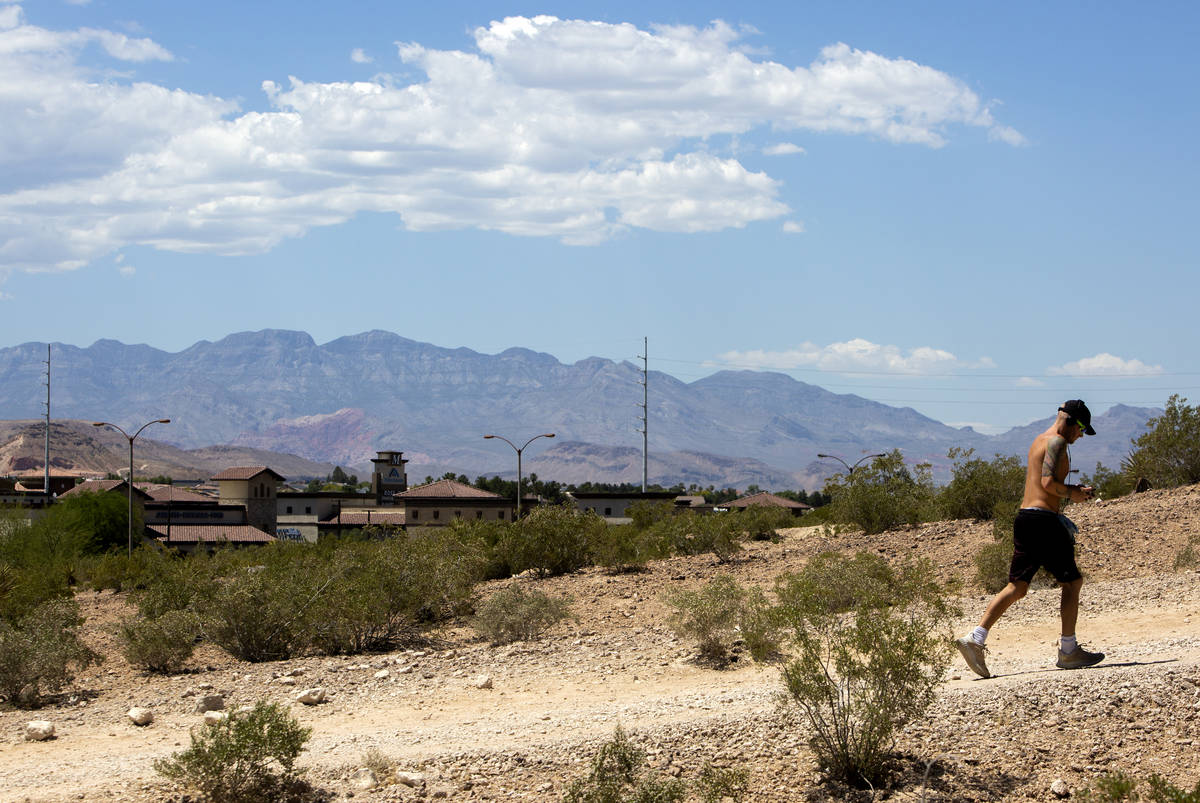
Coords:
pixel 624 548
pixel 859 676
pixel 515 614
pixel 1118 786
pixel 250 756
pixel 979 486
pixel 1168 453
pixel 883 494
pixel 160 645
pixel 489 539
pixel 1187 557
pixel 708 615
pixel 39 652
pixel 762 522
pixel 552 540
pixel 759 624
pixel 717 784
pixel 646 514
pixel 1109 484
pixel 38 564
pixel 619 775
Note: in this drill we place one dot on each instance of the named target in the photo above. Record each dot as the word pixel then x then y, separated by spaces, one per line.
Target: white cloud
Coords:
pixel 1029 382
pixel 783 149
pixel 793 227
pixel 853 356
pixel 1105 364
pixel 359 56
pixel 569 129
pixel 127 271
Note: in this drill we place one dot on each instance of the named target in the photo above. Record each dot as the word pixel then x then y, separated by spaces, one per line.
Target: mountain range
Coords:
pixel 339 402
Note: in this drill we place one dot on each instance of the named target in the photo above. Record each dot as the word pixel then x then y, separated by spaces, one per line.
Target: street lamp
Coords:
pixel 850 468
pixel 131 438
pixel 518 451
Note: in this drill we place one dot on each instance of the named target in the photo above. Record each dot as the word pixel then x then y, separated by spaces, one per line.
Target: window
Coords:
pixel 437 514
pixel 479 514
pixel 501 515
pixel 308 509
pixel 458 514
pixel 289 510
pixel 608 511
pixel 416 514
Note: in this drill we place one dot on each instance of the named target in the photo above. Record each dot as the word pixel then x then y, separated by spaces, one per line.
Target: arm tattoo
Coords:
pixel 1054 451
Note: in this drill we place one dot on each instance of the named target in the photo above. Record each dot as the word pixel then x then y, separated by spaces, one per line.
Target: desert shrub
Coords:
pixel 883 494
pixel 552 540
pixel 717 784
pixel 709 615
pixel 515 614
pixel 1168 453
pixel 39 563
pixel 1187 557
pixel 489 538
pixel 39 652
pixel 1109 484
pixel 170 582
pixel 762 523
pixel 250 756
pixel 619 774
pixel 646 514
pixel 97 521
pixel 160 645
pixel 120 571
pixel 1117 786
pixel 859 675
pixel 759 624
pixel 980 485
pixel 258 613
pixel 624 548
pixel 695 534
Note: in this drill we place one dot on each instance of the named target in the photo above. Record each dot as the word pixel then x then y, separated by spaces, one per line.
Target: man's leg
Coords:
pixel 1010 594
pixel 1069 608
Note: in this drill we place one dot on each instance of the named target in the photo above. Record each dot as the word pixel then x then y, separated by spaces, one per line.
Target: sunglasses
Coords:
pixel 1079 424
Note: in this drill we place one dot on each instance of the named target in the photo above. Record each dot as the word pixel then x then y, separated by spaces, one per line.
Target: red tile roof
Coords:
pixel 100 486
pixel 765 499
pixel 211 533
pixel 246 473
pixel 169 493
pixel 448 489
pixel 357 518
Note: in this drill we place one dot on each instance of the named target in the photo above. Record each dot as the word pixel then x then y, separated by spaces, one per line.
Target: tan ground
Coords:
pixel 553 701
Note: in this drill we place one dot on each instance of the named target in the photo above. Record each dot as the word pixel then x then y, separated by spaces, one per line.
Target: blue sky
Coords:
pixel 976 210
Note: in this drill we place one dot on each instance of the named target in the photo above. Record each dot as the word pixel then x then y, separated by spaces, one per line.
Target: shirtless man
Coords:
pixel 1041 538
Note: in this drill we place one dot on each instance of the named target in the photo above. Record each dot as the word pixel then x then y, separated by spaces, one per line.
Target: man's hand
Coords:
pixel 1082 493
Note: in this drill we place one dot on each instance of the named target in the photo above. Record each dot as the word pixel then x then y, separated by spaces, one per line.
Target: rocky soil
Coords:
pixel 462 720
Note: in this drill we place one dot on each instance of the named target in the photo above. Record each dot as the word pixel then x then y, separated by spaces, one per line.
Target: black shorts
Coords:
pixel 1040 539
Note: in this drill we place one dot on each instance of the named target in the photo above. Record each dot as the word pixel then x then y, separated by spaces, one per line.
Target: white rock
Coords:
pixel 364 778
pixel 482 682
pixel 215 717
pixel 39 730
pixel 286 680
pixel 382 674
pixel 413 779
pixel 313 696
pixel 1060 788
pixel 140 716
pixel 210 702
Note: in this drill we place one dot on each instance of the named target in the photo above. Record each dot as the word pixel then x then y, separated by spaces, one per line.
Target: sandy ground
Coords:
pixel 551 702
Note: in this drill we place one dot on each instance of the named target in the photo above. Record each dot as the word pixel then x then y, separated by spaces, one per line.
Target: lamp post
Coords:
pixel 850 468
pixel 131 439
pixel 518 451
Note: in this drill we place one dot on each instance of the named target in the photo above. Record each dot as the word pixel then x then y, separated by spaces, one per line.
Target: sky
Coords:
pixel 974 210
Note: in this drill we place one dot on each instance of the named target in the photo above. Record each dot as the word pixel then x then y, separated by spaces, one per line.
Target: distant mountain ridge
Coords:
pixel 341 401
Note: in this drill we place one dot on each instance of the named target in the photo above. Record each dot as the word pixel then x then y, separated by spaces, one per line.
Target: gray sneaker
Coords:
pixel 974 655
pixel 1078 658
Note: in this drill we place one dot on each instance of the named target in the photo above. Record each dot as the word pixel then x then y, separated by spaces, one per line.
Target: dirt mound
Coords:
pixel 551 702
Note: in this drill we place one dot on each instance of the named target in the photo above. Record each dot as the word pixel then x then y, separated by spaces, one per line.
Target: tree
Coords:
pixel 979 485
pixel 1168 454
pixel 884 494
pixel 339 476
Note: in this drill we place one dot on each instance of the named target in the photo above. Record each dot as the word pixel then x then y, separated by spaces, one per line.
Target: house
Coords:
pixel 768 500
pixel 256 489
pixel 614 506
pixel 442 501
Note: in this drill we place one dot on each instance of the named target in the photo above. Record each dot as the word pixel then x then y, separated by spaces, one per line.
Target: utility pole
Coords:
pixel 46 487
pixel 645 383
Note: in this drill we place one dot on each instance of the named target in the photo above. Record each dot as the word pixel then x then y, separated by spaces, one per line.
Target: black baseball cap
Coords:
pixel 1080 412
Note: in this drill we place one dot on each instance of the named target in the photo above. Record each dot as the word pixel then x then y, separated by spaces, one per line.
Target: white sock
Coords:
pixel 1067 644
pixel 978 635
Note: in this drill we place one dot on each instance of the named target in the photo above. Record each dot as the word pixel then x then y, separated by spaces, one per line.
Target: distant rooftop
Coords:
pixel 446 489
